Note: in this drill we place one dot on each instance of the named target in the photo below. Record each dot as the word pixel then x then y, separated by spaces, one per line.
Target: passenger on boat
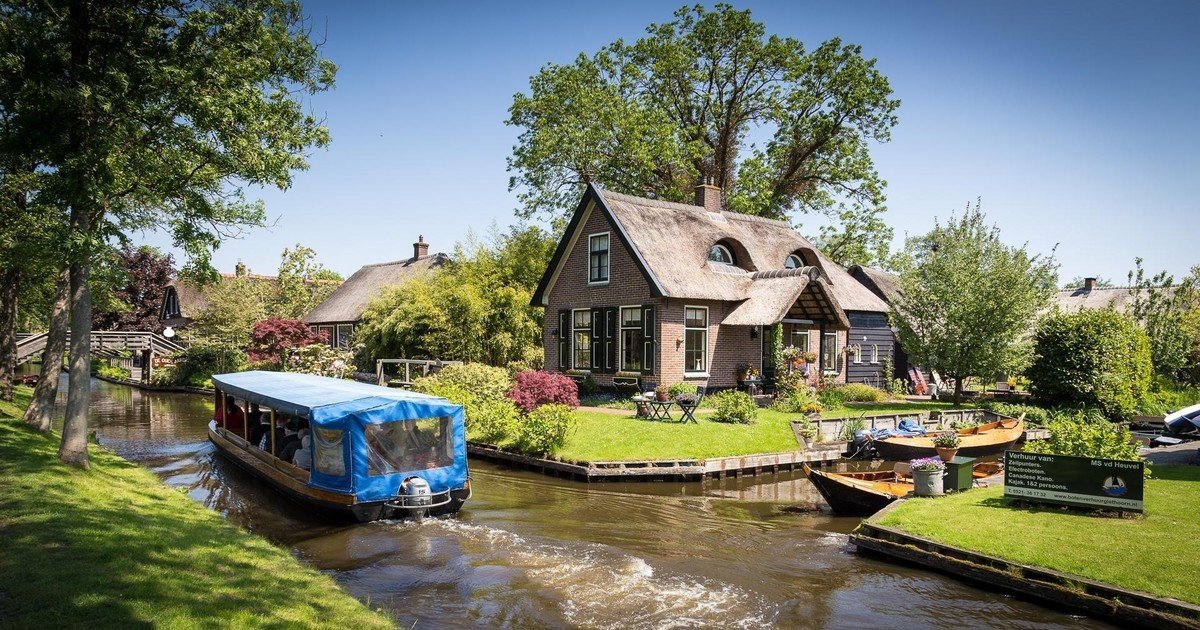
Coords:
pixel 280 435
pixel 291 443
pixel 254 417
pixel 234 419
pixel 303 456
pixel 260 430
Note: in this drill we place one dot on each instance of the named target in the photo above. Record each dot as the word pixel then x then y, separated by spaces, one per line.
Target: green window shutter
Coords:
pixel 597 340
pixel 648 339
pixel 564 339
pixel 611 327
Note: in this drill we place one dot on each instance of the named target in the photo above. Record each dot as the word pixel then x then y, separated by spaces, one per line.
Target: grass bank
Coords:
pixel 1149 553
pixel 605 436
pixel 114 547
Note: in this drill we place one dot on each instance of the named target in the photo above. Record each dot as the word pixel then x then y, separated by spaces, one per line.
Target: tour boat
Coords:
pixel 865 493
pixel 990 438
pixel 375 452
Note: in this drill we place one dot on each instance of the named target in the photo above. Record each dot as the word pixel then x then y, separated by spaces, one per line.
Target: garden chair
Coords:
pixel 688 410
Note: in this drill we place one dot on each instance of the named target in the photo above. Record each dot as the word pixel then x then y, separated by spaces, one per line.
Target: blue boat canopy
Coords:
pixel 366 439
pixel 1186 420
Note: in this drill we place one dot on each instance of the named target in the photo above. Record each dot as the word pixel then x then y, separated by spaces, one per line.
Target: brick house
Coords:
pixel 669 292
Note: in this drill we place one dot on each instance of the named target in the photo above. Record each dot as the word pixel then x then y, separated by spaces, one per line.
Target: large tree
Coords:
pixel 967 299
pixel 711 95
pixel 302 284
pixel 1161 305
pixel 156 114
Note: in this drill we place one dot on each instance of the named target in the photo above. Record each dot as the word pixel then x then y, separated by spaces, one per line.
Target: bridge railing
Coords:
pixel 406 377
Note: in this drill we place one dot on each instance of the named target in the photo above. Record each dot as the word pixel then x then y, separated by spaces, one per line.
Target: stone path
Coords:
pixel 1186 453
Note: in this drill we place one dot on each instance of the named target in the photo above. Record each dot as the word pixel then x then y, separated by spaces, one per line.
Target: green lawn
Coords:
pixel 114 547
pixel 609 437
pixel 1153 553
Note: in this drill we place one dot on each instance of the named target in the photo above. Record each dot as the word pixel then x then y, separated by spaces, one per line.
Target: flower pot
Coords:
pixel 928 482
pixel 661 396
pixel 946 454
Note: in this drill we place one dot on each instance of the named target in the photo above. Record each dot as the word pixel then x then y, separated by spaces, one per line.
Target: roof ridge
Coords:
pixel 675 205
pixel 410 259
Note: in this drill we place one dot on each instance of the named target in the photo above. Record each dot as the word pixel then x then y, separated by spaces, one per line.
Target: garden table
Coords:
pixel 660 409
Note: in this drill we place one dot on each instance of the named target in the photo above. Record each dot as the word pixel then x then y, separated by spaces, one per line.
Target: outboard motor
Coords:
pixel 861 445
pixel 416 491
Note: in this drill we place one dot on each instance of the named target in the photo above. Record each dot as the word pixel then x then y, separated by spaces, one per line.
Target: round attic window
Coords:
pixel 721 254
pixel 793 262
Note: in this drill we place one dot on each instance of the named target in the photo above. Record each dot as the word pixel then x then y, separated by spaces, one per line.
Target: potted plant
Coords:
pixel 927 476
pixel 947 445
pixel 686 400
pixel 807 430
pixel 661 394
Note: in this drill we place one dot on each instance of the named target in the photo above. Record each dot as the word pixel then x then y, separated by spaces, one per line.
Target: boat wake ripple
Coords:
pixel 599 586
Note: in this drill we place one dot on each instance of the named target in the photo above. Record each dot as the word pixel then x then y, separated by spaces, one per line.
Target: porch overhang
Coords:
pixel 773 295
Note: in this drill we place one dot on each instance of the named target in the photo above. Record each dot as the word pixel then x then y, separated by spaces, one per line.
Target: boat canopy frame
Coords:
pixel 332 404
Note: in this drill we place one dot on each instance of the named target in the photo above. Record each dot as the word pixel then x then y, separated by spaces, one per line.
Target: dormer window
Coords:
pixel 793 262
pixel 598 258
pixel 721 254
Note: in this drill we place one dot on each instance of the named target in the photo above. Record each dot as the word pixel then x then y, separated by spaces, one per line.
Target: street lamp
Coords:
pixel 168 332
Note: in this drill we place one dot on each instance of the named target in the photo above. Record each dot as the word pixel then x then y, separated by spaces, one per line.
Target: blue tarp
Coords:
pixel 348 406
pixel 907 428
pixel 1185 420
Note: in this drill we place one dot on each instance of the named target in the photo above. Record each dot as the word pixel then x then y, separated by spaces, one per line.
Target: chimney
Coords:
pixel 1089 284
pixel 420 248
pixel 240 269
pixel 708 195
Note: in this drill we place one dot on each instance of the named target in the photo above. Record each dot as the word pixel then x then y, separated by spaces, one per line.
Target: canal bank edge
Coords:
pixel 1051 587
pixel 114 546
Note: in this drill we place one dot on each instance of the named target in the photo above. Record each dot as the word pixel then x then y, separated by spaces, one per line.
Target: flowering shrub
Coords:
pixel 532 389
pixel 734 406
pixel 544 428
pixel 322 360
pixel 948 439
pixel 927 464
pixel 800 400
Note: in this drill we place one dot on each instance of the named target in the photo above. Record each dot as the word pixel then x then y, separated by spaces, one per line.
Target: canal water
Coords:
pixel 531 551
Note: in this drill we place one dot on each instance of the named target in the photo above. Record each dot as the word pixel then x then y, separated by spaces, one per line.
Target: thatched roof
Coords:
pixel 193 298
pixel 883 284
pixel 347 303
pixel 1116 298
pixel 671 242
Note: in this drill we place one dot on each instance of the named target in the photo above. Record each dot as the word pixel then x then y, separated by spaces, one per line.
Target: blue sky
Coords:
pixel 1075 122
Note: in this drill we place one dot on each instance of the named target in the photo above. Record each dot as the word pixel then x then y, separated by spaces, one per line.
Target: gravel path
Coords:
pixel 1186 453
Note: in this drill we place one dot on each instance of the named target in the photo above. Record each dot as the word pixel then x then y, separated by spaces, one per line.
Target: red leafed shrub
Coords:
pixel 532 389
pixel 273 339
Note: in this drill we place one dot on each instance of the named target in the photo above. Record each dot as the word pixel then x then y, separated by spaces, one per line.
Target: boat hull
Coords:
pixel 292 482
pixel 847 499
pixel 993 441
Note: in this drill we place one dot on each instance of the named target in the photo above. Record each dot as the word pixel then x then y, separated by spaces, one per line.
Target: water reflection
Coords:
pixel 531 551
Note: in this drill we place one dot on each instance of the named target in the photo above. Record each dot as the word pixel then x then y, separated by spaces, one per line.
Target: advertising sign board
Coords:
pixel 1092 482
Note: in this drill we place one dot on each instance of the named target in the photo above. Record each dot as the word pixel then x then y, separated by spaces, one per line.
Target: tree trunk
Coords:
pixel 10 283
pixel 73 450
pixel 41 408
pixel 958 391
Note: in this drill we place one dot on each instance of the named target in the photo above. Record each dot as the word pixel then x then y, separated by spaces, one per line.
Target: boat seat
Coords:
pixel 902 469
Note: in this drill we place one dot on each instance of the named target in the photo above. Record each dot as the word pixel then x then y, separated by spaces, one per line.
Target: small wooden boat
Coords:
pixel 375 452
pixel 865 493
pixel 990 438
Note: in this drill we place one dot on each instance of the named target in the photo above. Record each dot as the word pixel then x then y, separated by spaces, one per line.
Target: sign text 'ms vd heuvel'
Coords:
pixel 1093 482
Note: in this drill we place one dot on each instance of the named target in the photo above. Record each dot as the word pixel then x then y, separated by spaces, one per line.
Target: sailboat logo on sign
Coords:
pixel 1114 486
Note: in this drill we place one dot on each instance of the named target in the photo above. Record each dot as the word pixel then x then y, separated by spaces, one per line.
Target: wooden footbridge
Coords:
pixel 105 343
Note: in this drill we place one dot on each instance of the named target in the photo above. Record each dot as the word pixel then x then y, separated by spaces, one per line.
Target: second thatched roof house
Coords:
pixel 341 311
pixel 654 290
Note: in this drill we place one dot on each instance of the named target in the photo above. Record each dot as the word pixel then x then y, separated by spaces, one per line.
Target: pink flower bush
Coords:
pixel 532 389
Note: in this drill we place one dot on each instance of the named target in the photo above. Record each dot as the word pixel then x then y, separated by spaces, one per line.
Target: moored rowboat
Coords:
pixel 864 493
pixel 990 438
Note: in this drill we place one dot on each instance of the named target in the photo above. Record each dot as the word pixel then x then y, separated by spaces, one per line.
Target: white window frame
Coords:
pixel 858 354
pixel 875 354
pixel 607 258
pixel 695 373
pixel 728 254
pixel 621 328
pixel 343 341
pixel 798 264
pixel 833 354
pixel 574 329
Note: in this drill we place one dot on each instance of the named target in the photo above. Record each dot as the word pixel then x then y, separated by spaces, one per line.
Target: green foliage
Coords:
pixel 113 371
pixel 831 397
pixel 861 392
pixel 967 298
pixel 302 283
pixel 1167 396
pixel 733 406
pixel 681 102
pixel 895 387
pixel 196 364
pixel 680 388
pixel 141 279
pixel 476 308
pixel 544 429
pixel 323 360
pixel 800 400
pixel 807 428
pixel 850 426
pixel 483 381
pixel 234 305
pixel 1093 358
pixel 1082 436
pixel 1161 306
